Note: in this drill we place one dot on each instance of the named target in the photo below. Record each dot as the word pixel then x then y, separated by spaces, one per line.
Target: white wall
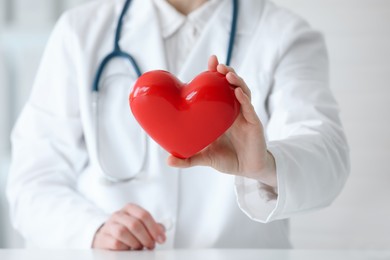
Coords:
pixel 358 37
pixel 3 106
pixel 2 12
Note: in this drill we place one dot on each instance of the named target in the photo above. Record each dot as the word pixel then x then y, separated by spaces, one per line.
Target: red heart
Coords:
pixel 184 118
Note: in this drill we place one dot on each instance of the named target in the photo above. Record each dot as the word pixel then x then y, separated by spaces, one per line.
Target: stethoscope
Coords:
pixel 119 53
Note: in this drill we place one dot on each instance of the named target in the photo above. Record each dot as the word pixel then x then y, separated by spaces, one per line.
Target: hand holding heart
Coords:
pixel 242 150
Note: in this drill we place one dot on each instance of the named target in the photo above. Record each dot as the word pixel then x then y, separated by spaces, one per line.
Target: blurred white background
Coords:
pixel 358 37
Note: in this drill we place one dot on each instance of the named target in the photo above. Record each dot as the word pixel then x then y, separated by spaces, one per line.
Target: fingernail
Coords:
pixel 230 76
pixel 160 239
pixel 162 228
pixel 234 75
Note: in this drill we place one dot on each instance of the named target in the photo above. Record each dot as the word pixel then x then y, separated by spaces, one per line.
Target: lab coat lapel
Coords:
pixel 142 36
pixel 215 37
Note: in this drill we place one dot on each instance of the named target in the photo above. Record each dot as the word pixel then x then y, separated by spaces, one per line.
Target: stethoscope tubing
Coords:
pixel 118 53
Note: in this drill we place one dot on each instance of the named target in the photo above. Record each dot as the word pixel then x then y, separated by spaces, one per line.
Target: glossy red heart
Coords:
pixel 184 118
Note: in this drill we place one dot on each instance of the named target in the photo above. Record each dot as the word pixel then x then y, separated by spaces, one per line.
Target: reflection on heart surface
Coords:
pixel 184 118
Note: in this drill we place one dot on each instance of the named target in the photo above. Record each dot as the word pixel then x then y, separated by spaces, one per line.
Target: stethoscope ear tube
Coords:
pixel 119 26
pixel 118 53
pixel 233 32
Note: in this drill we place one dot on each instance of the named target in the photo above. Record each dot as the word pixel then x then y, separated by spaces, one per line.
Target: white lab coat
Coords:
pixel 56 191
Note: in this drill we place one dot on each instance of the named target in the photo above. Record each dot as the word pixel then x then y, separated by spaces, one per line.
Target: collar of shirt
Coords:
pixel 172 20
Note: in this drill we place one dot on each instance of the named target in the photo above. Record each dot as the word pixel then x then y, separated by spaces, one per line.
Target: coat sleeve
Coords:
pixel 49 153
pixel 304 133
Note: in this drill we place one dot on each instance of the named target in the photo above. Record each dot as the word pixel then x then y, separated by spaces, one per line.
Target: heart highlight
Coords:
pixel 184 118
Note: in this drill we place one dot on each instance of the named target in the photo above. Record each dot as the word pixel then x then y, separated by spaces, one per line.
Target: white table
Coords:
pixel 215 254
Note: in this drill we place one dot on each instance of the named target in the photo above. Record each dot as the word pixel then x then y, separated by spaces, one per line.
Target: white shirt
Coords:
pixel 180 32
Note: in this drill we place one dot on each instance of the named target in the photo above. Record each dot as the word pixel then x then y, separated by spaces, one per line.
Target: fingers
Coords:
pixel 237 81
pixel 223 69
pixel 134 229
pixel 108 242
pixel 177 162
pixel 115 244
pixel 122 237
pixel 200 159
pixel 130 228
pixel 154 229
pixel 233 78
pixel 242 92
pixel 213 63
pixel 162 228
pixel 248 111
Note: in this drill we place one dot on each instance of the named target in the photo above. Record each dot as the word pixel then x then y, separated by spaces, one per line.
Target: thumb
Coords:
pixel 161 227
pixel 199 159
pixel 213 63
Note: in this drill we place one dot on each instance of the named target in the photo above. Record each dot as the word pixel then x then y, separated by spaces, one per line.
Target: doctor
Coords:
pixel 286 153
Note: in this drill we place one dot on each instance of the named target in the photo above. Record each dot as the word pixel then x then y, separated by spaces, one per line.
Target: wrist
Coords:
pixel 267 174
